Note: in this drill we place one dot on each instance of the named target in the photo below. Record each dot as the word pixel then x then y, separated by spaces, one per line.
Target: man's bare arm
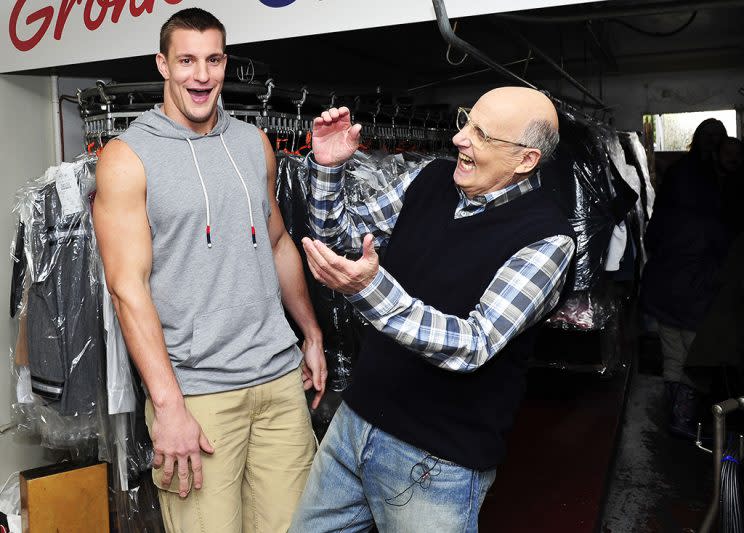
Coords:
pixel 123 234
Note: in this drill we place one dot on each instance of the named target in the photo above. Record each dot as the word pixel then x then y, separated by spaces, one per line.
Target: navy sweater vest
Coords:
pixel 448 263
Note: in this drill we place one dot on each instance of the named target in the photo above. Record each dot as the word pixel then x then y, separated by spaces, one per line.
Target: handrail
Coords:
pixel 720 410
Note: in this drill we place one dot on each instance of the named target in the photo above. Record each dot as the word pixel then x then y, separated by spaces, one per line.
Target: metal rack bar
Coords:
pixel 449 36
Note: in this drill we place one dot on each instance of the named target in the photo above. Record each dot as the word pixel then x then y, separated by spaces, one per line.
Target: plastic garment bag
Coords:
pixel 342 327
pixel 65 385
pixel 579 179
pixel 60 345
pixel 601 185
pixel 333 312
pixel 10 504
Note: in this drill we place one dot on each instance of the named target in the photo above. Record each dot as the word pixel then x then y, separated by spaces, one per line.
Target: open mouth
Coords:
pixel 199 95
pixel 466 162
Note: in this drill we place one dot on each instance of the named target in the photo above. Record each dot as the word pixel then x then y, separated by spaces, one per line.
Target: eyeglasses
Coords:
pixel 481 137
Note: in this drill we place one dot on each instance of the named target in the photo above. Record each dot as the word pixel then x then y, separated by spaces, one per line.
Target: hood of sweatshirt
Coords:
pixel 156 122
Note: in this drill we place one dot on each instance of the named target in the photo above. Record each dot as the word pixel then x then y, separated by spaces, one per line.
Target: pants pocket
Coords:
pixel 173 487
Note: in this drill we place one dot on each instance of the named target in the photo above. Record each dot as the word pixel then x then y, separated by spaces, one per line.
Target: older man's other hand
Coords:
pixel 334 138
pixel 339 273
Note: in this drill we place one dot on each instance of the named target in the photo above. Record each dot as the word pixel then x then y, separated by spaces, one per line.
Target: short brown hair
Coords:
pixel 192 18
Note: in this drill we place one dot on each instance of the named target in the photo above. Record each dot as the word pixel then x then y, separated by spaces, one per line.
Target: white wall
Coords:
pixel 26 151
pixel 635 95
pixel 674 93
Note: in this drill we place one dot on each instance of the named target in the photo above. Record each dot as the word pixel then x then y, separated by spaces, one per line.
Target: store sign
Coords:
pixel 46 33
pixel 94 14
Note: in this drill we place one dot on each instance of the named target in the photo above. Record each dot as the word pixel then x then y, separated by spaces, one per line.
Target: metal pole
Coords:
pixel 56 119
pixel 446 30
pixel 604 13
pixel 545 57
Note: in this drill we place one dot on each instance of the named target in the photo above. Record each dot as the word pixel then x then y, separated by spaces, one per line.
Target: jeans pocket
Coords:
pixel 442 461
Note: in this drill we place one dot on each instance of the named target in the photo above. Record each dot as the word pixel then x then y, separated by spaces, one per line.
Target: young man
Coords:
pixel 198 264
pixel 477 255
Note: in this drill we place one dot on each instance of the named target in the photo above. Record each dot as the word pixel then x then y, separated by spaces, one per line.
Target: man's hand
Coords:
pixel 334 138
pixel 177 438
pixel 339 273
pixel 314 371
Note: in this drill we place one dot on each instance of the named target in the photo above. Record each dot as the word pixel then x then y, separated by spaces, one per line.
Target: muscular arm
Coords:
pixel 295 296
pixel 123 236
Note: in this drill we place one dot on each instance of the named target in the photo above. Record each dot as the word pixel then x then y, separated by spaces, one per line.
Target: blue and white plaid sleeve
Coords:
pixel 521 293
pixel 342 225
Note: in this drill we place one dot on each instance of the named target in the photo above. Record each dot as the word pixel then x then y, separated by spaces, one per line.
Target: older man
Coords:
pixel 476 256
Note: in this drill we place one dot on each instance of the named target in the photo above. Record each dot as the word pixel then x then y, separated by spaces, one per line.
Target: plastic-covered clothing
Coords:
pixel 581 184
pixel 64 341
pixel 121 397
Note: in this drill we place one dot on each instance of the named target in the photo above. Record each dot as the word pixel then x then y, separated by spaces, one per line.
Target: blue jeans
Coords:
pixel 362 476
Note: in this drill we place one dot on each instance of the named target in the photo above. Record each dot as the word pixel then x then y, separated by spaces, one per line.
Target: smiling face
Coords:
pixel 194 72
pixel 484 166
pixel 502 113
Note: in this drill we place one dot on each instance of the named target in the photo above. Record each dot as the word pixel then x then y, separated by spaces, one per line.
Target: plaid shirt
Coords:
pixel 521 293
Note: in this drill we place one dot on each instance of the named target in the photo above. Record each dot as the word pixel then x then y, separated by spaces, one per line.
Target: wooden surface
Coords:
pixel 65 499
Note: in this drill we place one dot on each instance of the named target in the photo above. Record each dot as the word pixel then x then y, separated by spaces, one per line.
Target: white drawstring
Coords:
pixel 245 188
pixel 204 190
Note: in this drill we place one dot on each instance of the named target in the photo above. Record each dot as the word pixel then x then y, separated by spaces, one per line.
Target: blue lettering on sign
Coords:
pixel 276 3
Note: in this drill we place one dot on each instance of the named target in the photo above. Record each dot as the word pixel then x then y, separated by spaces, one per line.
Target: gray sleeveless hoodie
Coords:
pixel 213 278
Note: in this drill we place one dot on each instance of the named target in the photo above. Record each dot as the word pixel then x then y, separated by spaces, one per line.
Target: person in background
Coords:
pixel 730 170
pixel 686 241
pixel 719 341
pixel 477 254
pixel 198 263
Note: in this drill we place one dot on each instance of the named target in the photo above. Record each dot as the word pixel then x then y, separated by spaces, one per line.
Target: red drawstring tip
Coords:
pixel 209 237
pixel 253 236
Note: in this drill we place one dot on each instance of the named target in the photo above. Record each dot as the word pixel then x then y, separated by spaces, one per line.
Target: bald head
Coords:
pixel 518 106
pixel 524 114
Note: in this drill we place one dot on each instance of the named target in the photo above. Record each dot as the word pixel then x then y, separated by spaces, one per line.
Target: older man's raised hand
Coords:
pixel 339 273
pixel 334 138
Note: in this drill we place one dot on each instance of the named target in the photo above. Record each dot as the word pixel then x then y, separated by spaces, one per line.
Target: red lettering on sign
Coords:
pixel 46 16
pixel 94 24
pixel 64 11
pixel 136 11
pixel 45 13
pixel 118 8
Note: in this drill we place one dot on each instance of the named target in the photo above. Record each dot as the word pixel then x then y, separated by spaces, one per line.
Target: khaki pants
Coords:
pixel 263 448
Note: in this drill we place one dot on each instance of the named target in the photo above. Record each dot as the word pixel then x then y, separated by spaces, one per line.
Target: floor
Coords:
pixel 592 454
pixel 660 483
